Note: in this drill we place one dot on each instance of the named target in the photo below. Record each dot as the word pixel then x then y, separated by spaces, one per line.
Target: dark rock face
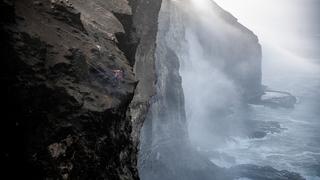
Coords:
pixel 68 114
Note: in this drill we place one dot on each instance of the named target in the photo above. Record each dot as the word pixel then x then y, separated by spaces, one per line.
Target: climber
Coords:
pixel 117 76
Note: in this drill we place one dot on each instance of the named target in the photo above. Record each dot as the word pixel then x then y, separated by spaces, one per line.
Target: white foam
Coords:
pixel 312 177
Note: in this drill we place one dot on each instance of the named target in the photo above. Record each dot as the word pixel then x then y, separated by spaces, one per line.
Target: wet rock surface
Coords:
pixel 67 114
pixel 276 99
pixel 259 129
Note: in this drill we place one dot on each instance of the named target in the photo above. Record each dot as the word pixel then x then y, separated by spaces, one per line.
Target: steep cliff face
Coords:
pixel 166 152
pixel 230 47
pixel 78 76
pixel 221 71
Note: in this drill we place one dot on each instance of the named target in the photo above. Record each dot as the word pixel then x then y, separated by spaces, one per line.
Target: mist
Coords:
pixel 291 25
pixel 201 107
pixel 248 77
pixel 204 83
pixel 214 93
pixel 288 31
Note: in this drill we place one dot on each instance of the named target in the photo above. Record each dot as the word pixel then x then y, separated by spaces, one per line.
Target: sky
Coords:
pixel 293 25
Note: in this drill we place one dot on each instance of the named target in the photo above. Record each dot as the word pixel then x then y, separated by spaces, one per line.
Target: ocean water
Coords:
pixel 297 147
pixel 291 66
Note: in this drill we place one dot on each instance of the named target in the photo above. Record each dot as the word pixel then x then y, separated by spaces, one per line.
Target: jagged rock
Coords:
pixel 63 10
pixel 259 129
pixel 257 134
pixel 66 115
pixel 276 99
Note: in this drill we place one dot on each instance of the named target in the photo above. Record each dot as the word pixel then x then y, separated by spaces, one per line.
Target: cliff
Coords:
pixel 232 48
pixel 165 150
pixel 80 77
pixel 218 43
pixel 77 77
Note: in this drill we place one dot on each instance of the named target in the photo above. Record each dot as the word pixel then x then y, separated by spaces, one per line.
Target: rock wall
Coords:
pixel 77 77
pixel 166 152
pixel 232 48
pixel 221 72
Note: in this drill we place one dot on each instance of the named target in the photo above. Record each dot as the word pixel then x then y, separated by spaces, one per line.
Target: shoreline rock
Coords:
pixel 276 99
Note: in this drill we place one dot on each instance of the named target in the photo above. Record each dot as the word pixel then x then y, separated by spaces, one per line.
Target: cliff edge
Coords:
pixel 77 79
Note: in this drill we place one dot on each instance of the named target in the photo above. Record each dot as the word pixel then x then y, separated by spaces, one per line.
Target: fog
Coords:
pixel 219 57
pixel 204 85
pixel 291 25
pixel 288 31
pixel 220 122
pixel 214 104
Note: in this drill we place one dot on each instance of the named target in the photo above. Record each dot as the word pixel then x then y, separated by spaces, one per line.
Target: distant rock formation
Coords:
pixel 275 99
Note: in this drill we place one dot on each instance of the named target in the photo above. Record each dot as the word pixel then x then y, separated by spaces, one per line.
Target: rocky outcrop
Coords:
pixel 276 99
pixel 77 76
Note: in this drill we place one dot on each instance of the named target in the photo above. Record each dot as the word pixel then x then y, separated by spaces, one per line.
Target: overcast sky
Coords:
pixel 288 24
